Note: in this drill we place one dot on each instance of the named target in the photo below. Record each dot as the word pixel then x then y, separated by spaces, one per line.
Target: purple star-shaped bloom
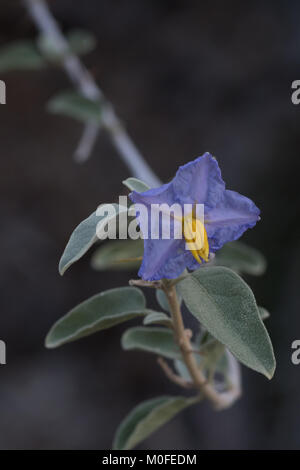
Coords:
pixel 227 215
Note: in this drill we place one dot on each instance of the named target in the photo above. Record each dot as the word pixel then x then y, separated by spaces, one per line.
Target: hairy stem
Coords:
pixel 219 400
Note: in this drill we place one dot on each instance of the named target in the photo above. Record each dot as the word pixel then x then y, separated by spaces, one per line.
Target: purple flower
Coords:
pixel 227 215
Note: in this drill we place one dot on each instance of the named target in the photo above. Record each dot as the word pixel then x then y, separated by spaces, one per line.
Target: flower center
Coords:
pixel 196 237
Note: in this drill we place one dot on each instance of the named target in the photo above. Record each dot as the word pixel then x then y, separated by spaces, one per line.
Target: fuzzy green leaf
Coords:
pixel 162 300
pixel 241 258
pixel 79 42
pixel 20 55
pixel 226 306
pixel 146 418
pixel 134 184
pixel 159 341
pixel 100 312
pixel 84 236
pixel 157 318
pixel 117 255
pixel 75 105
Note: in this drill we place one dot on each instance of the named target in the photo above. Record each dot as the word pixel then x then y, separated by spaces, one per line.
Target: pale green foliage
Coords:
pixel 162 300
pixel 145 418
pixel 20 55
pixel 155 340
pixel 226 306
pixel 118 255
pixel 100 312
pixel 73 104
pixel 84 236
pixel 241 258
pixel 157 318
pixel 30 55
pixel 134 184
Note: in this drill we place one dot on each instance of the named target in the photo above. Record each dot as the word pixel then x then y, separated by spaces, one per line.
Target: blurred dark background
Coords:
pixel 186 77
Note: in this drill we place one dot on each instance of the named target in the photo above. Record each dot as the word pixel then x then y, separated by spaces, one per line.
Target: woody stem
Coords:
pixel 219 400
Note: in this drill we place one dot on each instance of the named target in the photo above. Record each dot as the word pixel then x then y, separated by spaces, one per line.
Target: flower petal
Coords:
pixel 163 194
pixel 163 259
pixel 199 181
pixel 230 219
pixel 227 216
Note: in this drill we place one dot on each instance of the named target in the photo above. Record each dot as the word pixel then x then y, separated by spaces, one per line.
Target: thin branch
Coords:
pixel 84 82
pixel 87 142
pixel 219 400
pixel 142 283
pixel 172 376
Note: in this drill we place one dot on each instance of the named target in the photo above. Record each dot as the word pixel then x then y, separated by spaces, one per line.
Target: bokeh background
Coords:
pixel 186 77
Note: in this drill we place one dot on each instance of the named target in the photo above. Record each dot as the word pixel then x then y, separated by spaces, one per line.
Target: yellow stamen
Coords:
pixel 195 235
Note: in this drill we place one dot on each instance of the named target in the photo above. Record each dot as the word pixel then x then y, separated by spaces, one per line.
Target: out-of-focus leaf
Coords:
pixel 146 418
pixel 241 258
pixel 134 184
pixel 264 314
pixel 20 55
pixel 79 42
pixel 157 318
pixel 211 355
pixel 48 49
pixel 118 255
pixel 75 105
pixel 226 306
pixel 100 312
pixel 162 300
pixel 159 341
pixel 84 236
pixel 222 368
pixel 182 369
pixel 208 357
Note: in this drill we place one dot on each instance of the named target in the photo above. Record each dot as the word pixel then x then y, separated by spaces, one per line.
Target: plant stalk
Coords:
pixel 218 399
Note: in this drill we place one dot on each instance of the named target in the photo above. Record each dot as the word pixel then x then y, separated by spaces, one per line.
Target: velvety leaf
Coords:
pixel 134 184
pixel 100 312
pixel 162 300
pixel 157 318
pixel 20 55
pixel 75 105
pixel 146 418
pixel 159 341
pixel 84 236
pixel 118 255
pixel 241 258
pixel 226 306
